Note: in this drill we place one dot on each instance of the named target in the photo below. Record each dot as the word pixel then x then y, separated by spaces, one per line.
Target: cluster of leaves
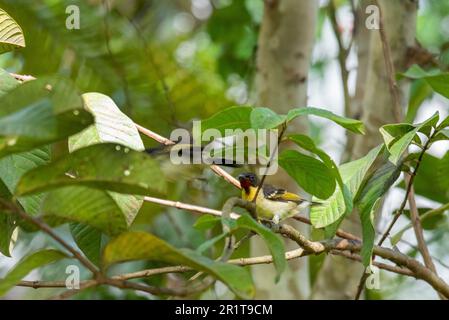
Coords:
pixel 120 53
pixel 97 187
pixel 359 184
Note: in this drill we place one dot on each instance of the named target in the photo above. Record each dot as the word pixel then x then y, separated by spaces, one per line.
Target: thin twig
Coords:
pixel 419 271
pixel 216 169
pixel 380 265
pixel 340 233
pixel 262 180
pixel 419 234
pixel 389 65
pixel 342 56
pixel 45 228
pixel 69 293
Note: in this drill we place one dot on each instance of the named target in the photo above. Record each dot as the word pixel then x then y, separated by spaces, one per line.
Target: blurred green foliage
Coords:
pixel 164 66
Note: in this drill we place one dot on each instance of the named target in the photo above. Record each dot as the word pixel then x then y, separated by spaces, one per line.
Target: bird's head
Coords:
pixel 248 180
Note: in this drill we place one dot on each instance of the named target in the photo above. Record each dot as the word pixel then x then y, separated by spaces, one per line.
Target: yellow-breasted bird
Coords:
pixel 271 203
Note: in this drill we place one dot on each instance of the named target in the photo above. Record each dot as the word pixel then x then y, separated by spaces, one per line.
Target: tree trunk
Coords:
pixel 338 278
pixel 284 50
pixel 400 26
pixel 362 41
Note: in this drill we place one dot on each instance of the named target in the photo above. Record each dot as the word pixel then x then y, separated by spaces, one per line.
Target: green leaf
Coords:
pixel 40 112
pixel 394 239
pixel 399 147
pixel 11 35
pixel 427 181
pixel 89 206
pixel 353 175
pixel 27 264
pixel 426 126
pixel 231 118
pixel 206 222
pixel 392 132
pixel 316 262
pixel 307 144
pixel 104 166
pixel 369 199
pixel 111 125
pixel 436 79
pixel 347 123
pixel 209 243
pixel 398 137
pixel 7 81
pixel 7 227
pixel 419 92
pixel 443 170
pixel 443 124
pixel 341 192
pixel 273 242
pixel 445 133
pixel 309 173
pixel 430 220
pixel 12 167
pixel 416 72
pixel 88 239
pixel 264 118
pixel 368 232
pixel 132 246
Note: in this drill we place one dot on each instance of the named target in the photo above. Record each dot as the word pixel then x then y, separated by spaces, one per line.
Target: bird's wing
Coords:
pixel 276 194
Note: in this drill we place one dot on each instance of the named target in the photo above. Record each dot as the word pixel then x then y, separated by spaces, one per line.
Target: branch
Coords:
pixel 42 284
pixel 188 207
pixel 352 244
pixel 267 167
pixel 286 230
pixel 45 228
pixel 179 292
pixel 340 233
pixel 380 265
pixel 417 227
pixel 411 267
pixel 69 293
pixel 218 171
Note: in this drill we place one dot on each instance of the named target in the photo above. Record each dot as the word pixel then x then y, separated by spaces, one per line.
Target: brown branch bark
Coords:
pixel 419 234
pixel 306 247
pixel 352 244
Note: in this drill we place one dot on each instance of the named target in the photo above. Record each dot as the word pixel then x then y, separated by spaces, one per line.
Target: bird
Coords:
pixel 272 203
